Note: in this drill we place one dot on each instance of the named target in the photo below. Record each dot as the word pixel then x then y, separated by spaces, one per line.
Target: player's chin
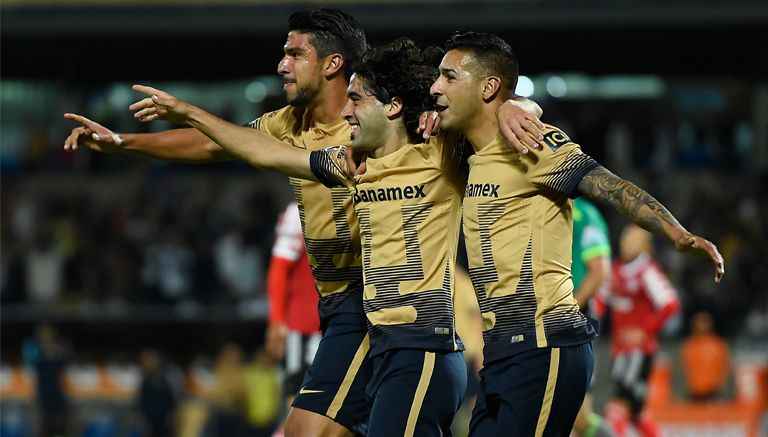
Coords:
pixel 446 121
pixel 359 144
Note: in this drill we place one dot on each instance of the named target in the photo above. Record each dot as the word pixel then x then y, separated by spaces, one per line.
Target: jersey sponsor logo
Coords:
pixel 305 391
pixel 391 193
pixel 482 190
pixel 556 139
pixel 517 338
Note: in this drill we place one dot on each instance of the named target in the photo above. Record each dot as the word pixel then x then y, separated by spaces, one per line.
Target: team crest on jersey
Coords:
pixel 556 139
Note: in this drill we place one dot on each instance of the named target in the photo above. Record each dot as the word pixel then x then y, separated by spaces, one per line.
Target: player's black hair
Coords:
pixel 331 31
pixel 493 54
pixel 401 69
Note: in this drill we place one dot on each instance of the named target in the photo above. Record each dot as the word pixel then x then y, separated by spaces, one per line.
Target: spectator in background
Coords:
pixel 44 270
pixel 293 330
pixel 47 354
pixel 167 270
pixel 156 400
pixel 263 401
pixel 239 262
pixel 706 359
pixel 228 395
pixel 641 299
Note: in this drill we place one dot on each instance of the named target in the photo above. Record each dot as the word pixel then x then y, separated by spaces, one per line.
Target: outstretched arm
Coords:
pixel 605 187
pixel 182 145
pixel 253 146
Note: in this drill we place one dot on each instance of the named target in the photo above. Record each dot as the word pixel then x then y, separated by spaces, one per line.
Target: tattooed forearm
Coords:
pixel 605 187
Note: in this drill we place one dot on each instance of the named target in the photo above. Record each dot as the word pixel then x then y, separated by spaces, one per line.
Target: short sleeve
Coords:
pixel 594 243
pixel 268 123
pixel 330 166
pixel 561 165
pixel 660 290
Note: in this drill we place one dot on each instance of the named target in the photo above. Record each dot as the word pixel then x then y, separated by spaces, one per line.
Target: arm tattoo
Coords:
pixel 608 189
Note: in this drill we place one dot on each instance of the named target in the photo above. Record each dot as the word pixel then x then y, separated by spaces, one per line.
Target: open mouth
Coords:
pixel 440 108
pixel 355 130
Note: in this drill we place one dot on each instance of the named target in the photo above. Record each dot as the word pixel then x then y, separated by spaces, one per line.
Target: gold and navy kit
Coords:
pixel 408 207
pixel 327 219
pixel 334 385
pixel 518 227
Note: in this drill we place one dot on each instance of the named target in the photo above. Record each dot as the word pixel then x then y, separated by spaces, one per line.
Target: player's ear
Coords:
pixel 491 87
pixel 333 64
pixel 394 107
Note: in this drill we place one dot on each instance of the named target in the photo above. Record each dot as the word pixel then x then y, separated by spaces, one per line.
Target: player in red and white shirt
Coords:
pixel 641 299
pixel 293 330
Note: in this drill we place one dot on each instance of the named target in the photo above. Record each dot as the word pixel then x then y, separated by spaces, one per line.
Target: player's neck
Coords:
pixel 483 128
pixel 327 105
pixel 393 139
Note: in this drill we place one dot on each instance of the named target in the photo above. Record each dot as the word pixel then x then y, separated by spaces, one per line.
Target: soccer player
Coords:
pixel 321 45
pixel 591 248
pixel 293 327
pixel 408 202
pixel 591 270
pixel 642 300
pixel 538 358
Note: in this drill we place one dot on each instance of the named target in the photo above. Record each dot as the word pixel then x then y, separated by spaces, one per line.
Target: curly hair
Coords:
pixel 494 56
pixel 331 31
pixel 401 69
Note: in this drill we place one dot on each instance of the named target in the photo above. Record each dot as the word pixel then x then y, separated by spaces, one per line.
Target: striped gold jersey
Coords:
pixel 518 228
pixel 408 205
pixel 328 220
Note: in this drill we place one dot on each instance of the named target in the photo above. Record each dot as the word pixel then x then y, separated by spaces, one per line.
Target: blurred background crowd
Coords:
pixel 132 291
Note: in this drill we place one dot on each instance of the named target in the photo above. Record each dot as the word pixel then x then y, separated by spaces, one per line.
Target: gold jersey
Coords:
pixel 518 227
pixel 329 224
pixel 408 205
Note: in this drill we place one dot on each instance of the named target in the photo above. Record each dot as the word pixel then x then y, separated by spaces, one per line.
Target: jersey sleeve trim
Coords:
pixel 596 251
pixel 328 166
pixel 567 176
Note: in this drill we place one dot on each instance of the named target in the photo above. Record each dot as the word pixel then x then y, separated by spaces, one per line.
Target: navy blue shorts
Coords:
pixel 335 383
pixel 415 392
pixel 533 393
pixel 300 351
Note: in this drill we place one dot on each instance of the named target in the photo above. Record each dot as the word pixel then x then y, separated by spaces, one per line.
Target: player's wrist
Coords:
pixel 110 143
pixel 194 116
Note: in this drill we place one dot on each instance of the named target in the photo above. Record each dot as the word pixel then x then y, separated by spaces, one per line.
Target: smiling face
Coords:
pixel 300 69
pixel 458 91
pixel 366 115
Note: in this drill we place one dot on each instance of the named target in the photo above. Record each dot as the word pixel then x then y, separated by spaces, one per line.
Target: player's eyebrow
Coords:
pixel 353 95
pixel 445 70
pixel 293 50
